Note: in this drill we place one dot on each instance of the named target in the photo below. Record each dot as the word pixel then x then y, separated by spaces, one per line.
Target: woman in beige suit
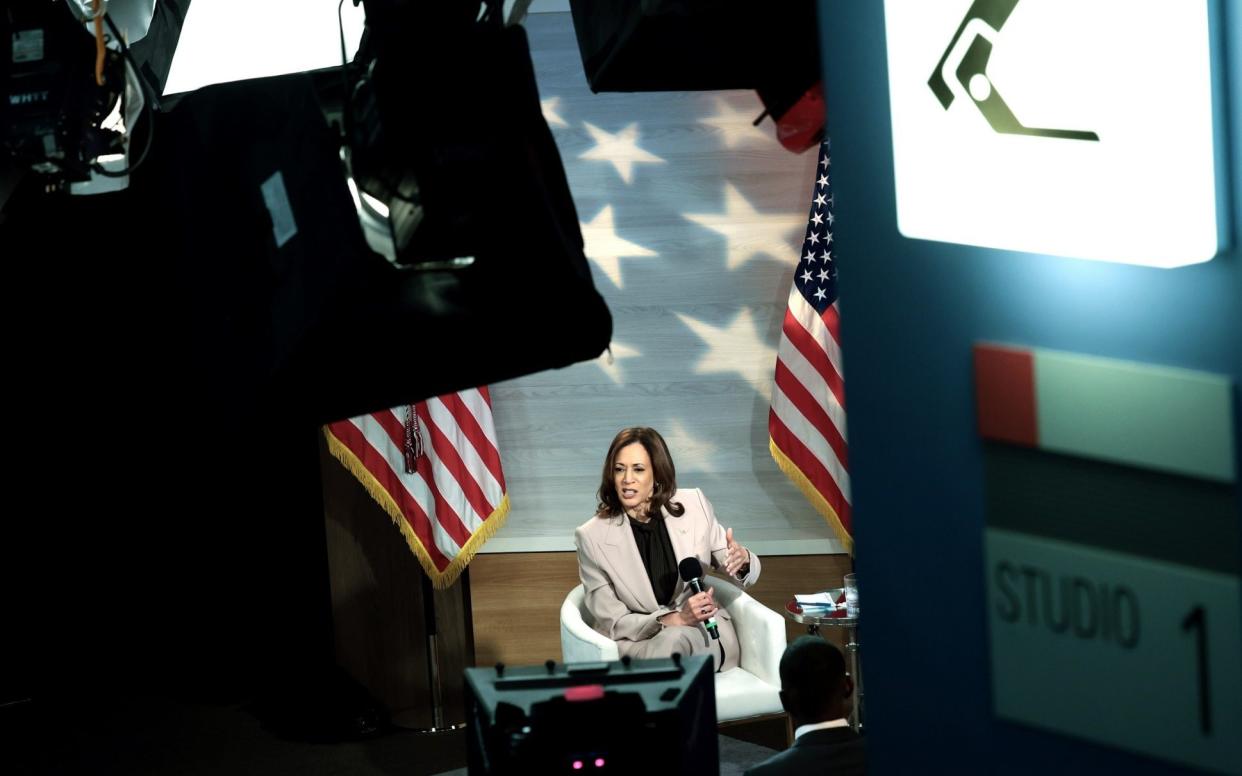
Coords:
pixel 628 555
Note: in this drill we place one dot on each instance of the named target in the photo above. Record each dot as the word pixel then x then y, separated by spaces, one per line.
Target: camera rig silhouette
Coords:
pixel 987 16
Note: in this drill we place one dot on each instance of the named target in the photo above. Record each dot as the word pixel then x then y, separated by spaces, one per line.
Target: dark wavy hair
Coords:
pixel 664 474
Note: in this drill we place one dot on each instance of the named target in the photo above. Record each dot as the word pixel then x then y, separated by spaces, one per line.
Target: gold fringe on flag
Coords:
pixel 812 495
pixel 440 580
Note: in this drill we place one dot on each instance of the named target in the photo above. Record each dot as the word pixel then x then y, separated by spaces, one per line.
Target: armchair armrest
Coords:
pixel 579 641
pixel 760 631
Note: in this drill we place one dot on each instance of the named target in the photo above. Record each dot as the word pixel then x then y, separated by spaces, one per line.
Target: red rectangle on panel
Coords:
pixel 1005 394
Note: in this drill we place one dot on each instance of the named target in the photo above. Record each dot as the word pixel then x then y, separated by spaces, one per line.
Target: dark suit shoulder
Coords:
pixel 833 752
pixel 784 762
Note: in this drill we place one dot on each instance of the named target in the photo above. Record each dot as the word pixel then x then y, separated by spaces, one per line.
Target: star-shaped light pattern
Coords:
pixel 604 247
pixel 551 112
pixel 736 126
pixel 620 149
pixel 748 231
pixel 619 351
pixel 739 348
pixel 695 451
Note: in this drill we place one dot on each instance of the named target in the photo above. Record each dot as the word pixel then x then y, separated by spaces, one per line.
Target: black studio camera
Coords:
pixel 640 716
pixel 63 113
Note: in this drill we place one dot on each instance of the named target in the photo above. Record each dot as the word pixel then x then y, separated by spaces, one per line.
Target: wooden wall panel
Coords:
pixel 516 599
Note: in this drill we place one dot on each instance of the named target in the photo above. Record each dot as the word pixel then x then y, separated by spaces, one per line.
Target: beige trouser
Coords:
pixel 688 641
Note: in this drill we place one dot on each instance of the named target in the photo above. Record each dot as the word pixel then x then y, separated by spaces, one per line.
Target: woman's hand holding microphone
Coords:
pixel 698 608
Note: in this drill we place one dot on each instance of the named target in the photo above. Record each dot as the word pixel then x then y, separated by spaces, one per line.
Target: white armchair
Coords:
pixel 751 690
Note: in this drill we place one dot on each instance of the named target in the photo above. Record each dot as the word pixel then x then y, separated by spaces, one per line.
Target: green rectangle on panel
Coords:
pixel 1126 651
pixel 1188 521
pixel 1161 418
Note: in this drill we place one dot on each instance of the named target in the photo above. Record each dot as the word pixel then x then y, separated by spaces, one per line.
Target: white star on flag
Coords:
pixel 817 219
pixel 604 247
pixel 823 180
pixel 821 201
pixel 620 149
pixel 739 348
pixel 747 230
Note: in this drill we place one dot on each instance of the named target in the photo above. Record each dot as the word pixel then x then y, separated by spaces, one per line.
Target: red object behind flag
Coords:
pixel 802 126
pixel 454 498
pixel 806 424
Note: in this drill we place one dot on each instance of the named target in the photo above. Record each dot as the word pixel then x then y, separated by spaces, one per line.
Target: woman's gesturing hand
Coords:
pixel 737 563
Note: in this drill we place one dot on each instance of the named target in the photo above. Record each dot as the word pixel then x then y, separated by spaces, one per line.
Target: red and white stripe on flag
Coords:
pixel 455 499
pixel 806 423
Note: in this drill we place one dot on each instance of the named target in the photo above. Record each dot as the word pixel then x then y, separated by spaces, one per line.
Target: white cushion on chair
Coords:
pixel 741 694
pixel 747 691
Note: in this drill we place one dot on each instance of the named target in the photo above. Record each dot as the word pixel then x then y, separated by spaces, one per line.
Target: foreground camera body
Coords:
pixel 53 107
pixel 628 716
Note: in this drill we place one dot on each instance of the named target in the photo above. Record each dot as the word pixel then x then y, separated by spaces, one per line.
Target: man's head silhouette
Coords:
pixel 814 685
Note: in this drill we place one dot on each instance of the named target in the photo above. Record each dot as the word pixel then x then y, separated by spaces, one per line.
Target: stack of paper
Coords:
pixel 816 601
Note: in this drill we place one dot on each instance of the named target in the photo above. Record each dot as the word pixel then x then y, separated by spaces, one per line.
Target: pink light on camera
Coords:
pixel 577 765
pixel 599 762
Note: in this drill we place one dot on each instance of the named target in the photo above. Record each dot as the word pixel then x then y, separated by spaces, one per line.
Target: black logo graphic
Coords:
pixel 974 65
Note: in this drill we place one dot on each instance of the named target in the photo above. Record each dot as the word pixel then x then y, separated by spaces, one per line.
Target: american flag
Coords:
pixel 806 424
pixel 434 467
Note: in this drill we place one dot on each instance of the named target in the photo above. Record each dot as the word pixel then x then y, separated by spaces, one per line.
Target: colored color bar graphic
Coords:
pixel 1154 417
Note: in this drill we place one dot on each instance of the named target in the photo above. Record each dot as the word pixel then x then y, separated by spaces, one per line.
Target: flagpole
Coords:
pixel 433 656
pixel 434 679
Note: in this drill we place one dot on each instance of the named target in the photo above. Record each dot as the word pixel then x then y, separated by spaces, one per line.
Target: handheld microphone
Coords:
pixel 691 572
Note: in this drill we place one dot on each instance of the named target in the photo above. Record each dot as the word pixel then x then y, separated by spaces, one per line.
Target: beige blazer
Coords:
pixel 618 591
